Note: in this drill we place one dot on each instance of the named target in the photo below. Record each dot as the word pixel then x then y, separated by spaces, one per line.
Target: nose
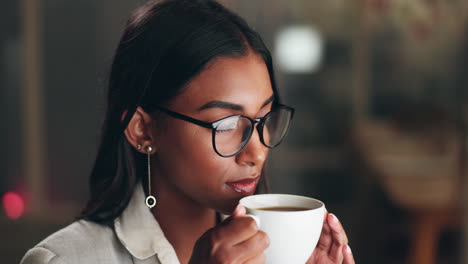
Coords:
pixel 255 153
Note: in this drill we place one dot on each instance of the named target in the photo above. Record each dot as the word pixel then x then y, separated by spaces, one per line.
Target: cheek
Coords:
pixel 199 153
pixel 189 152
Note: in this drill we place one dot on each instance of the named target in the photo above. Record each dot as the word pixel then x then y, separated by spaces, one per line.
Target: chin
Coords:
pixel 228 207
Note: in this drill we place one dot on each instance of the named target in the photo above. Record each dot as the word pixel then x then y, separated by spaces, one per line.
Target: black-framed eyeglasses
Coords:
pixel 231 134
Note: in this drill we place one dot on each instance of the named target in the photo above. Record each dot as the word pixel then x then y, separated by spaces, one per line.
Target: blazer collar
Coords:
pixel 140 233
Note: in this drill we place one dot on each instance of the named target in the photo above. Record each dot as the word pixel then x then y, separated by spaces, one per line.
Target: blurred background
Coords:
pixel 380 134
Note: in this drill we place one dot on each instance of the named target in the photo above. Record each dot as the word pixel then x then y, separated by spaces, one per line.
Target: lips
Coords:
pixel 245 186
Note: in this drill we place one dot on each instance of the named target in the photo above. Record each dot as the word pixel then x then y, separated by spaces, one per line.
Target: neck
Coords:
pixel 182 220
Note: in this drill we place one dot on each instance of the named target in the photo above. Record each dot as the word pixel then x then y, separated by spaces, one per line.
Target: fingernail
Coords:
pixel 348 250
pixel 334 218
pixel 240 210
pixel 236 209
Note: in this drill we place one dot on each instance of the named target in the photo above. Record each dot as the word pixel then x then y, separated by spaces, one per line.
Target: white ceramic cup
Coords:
pixel 293 234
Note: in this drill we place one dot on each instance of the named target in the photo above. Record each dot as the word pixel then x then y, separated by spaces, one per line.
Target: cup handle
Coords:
pixel 257 220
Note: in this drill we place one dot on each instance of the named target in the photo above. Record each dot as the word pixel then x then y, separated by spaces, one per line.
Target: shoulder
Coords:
pixel 80 242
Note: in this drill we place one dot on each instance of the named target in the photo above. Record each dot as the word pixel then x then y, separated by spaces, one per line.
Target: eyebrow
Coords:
pixel 232 106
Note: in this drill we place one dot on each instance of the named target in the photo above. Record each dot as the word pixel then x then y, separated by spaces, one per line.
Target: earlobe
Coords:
pixel 138 131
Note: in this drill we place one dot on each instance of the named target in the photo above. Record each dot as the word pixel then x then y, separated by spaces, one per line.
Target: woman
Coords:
pixel 192 112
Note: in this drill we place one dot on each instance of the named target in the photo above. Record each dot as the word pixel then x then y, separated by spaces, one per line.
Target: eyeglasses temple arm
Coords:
pixel 186 118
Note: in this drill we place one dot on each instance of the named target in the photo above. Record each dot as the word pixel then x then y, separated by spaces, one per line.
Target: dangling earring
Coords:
pixel 150 199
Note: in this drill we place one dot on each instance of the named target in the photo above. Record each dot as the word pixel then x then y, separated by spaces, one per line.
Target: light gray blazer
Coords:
pixel 135 238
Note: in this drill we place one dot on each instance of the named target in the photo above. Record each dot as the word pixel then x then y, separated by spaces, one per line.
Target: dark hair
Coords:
pixel 165 44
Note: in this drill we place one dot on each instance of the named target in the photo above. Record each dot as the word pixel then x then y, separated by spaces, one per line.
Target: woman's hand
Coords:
pixel 332 247
pixel 235 240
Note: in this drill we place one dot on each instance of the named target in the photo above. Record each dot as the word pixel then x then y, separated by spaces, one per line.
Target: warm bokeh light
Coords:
pixel 13 205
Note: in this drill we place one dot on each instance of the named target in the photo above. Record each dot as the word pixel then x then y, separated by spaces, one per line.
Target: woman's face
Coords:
pixel 186 165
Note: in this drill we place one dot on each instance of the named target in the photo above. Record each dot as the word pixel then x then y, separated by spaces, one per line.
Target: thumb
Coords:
pixel 239 211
